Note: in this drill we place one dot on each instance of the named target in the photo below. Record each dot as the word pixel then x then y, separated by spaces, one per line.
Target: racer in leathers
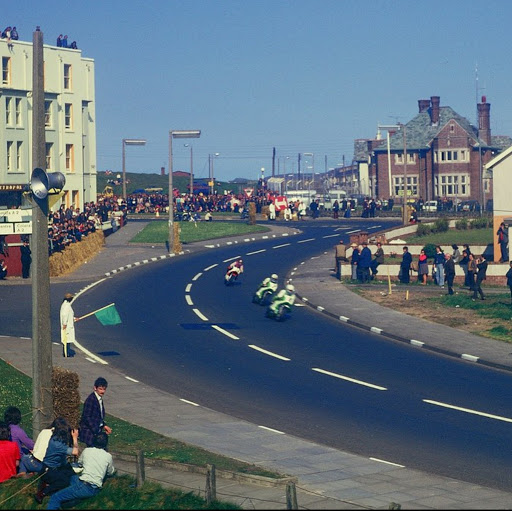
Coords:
pixel 237 267
pixel 286 295
pixel 269 283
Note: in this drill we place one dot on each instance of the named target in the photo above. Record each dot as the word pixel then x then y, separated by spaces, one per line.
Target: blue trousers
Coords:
pixel 76 490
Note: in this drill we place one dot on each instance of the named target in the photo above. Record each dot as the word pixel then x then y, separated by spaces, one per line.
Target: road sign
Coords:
pixel 248 192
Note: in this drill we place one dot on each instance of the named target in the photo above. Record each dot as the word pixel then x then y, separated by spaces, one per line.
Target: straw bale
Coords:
pixel 76 254
pixel 66 395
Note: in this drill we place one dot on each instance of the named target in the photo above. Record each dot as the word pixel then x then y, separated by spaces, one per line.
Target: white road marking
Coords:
pixel 210 267
pixel 257 252
pixel 197 275
pixel 189 402
pixel 281 246
pixel 414 342
pixel 468 410
pixel 347 378
pixel 225 332
pixel 356 230
pixel 231 259
pixel 200 314
pixel 273 430
pixel 189 300
pixel 305 241
pixel 387 462
pixel 330 236
pixel 188 288
pixel 257 348
pixel 132 379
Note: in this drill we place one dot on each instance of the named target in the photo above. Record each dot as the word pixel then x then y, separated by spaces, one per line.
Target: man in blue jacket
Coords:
pixel 365 260
pixel 93 414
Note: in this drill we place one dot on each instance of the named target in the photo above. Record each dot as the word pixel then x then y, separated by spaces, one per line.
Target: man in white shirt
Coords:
pixel 97 464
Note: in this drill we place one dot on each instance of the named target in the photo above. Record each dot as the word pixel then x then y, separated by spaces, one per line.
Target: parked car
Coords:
pixel 431 205
pixel 468 205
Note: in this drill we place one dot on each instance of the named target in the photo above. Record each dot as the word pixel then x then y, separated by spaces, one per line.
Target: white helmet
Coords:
pixel 274 276
pixel 289 287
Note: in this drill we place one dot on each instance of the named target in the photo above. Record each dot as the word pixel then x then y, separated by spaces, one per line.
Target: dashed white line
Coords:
pixel 189 300
pixel 266 352
pixel 283 245
pixel 468 410
pixel 356 230
pixel 231 259
pixel 197 275
pixel 347 378
pixel 210 267
pixel 188 288
pixel 306 241
pixel 225 332
pixel 256 252
pixel 272 430
pixel 189 402
pixel 200 314
pixel 330 236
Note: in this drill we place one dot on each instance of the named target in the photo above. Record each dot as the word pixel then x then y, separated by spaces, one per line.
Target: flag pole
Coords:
pixel 94 312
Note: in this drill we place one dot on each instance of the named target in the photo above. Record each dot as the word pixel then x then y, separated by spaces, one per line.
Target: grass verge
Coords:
pixel 469 236
pixel 158 231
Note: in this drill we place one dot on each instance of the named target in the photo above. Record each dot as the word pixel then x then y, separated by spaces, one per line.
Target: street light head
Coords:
pixel 134 141
pixel 185 133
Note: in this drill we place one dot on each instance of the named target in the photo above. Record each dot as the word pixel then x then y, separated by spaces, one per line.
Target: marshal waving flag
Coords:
pixel 107 315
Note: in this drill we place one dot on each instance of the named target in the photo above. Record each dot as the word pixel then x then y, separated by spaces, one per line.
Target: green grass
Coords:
pixel 470 236
pixel 158 231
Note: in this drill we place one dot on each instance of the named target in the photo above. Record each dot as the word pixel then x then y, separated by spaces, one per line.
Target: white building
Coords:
pixel 70 120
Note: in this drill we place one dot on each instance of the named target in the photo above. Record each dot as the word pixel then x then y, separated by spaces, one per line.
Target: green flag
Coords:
pixel 108 316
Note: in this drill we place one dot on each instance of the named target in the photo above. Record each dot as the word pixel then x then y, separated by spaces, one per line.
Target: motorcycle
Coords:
pixel 265 298
pixel 230 277
pixel 281 313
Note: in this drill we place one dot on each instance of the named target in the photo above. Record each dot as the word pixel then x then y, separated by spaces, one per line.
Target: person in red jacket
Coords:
pixel 9 454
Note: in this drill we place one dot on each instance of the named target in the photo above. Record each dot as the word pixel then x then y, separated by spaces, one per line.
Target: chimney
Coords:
pixel 434 113
pixel 484 120
pixel 162 171
pixel 423 105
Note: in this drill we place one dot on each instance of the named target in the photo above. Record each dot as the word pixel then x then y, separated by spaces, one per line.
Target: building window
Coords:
pixel 412 186
pixel 9 156
pixel 6 70
pixel 452 185
pixel 49 156
pixel 399 158
pixel 451 156
pixel 67 77
pixel 8 111
pixel 70 158
pixel 48 114
pixel 19 117
pixel 19 156
pixel 68 116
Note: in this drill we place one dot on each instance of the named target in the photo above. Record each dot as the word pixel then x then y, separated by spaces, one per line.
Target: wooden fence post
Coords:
pixel 139 468
pixel 211 484
pixel 291 496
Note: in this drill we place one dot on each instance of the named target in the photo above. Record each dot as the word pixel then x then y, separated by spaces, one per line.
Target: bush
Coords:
pixel 423 230
pixel 462 224
pixel 440 225
pixel 479 223
pixel 430 250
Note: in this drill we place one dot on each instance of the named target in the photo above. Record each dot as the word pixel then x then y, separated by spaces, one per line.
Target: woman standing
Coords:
pixel 423 267
pixel 472 269
pixel 439 266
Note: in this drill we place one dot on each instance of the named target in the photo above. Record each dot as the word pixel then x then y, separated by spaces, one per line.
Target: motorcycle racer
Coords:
pixel 285 297
pixel 268 284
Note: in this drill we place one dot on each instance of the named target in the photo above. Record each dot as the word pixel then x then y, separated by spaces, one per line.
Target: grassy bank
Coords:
pixel 457 236
pixel 158 231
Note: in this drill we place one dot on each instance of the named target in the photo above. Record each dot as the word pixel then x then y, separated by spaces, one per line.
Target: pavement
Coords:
pixel 325 478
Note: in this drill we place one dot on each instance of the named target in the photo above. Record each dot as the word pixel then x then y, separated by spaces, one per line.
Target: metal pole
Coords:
pixel 171 197
pixel 42 402
pixel 124 170
pixel 405 219
pixel 191 171
pixel 211 181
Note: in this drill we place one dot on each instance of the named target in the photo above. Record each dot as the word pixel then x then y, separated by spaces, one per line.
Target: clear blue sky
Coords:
pixel 301 76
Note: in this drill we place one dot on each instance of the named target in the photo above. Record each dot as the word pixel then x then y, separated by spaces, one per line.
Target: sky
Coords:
pixel 300 76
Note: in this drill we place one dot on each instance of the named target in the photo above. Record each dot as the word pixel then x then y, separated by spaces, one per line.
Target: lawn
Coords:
pixel 458 236
pixel 158 231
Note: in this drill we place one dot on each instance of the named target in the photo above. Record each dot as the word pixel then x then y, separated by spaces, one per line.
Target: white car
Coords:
pixel 430 205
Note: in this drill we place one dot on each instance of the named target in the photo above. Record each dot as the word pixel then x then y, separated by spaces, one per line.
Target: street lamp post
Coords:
pixel 210 160
pixel 175 134
pixel 129 141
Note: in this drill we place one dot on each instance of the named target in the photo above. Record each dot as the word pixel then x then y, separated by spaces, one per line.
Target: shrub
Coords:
pixel 479 223
pixel 440 225
pixel 423 230
pixel 462 224
pixel 430 250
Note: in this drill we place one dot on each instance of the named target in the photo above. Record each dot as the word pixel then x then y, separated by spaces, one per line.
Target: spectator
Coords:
pixel 9 454
pixel 354 260
pixel 59 41
pixel 423 267
pixel 405 266
pixel 472 269
pixel 14 34
pixel 26 259
pixel 509 280
pixel 456 254
pixel 340 256
pixel 378 259
pixel 438 267
pixel 463 263
pixel 74 46
pixel 3 269
pixel 97 464
pixel 92 421
pixel 364 263
pixel 503 242
pixel 65 41
pixel 481 264
pixel 449 270
pixel 12 417
pixel 67 324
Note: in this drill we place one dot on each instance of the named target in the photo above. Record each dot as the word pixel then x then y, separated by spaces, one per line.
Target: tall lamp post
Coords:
pixel 212 179
pixel 191 168
pixel 175 134
pixel 129 141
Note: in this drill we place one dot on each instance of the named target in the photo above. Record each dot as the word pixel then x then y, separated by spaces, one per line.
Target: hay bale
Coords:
pixel 252 213
pixel 74 255
pixel 66 396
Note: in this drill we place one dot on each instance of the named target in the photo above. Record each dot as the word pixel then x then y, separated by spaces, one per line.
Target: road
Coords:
pixel 184 332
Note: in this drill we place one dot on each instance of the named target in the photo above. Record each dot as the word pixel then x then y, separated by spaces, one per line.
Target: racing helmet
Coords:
pixel 274 276
pixel 290 287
